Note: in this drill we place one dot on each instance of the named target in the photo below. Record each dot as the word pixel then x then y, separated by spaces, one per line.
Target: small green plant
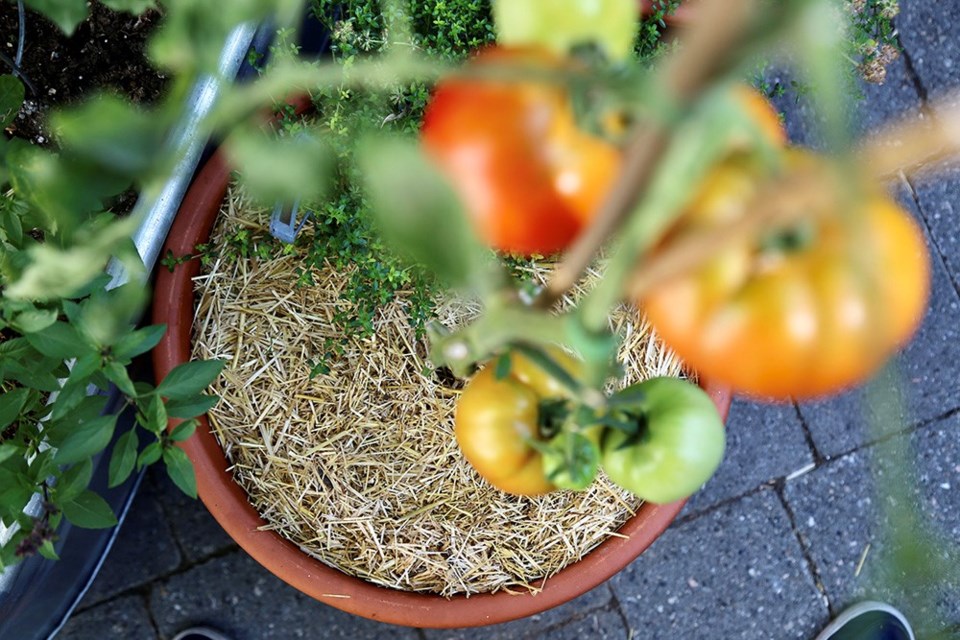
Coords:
pixel 873 37
pixel 64 343
pixel 67 335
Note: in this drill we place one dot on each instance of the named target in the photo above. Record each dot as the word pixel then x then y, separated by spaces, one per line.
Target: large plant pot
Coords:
pixel 227 501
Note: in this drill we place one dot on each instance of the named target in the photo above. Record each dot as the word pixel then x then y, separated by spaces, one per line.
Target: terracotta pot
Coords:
pixel 174 306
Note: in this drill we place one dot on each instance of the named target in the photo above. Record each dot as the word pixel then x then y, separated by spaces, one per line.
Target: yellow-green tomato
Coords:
pixel 562 24
pixel 497 422
pixel 680 445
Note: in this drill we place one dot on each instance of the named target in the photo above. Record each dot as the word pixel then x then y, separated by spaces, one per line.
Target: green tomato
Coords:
pixel 562 24
pixel 679 448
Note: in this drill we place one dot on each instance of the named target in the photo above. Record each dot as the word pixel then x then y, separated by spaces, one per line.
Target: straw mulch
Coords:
pixel 360 467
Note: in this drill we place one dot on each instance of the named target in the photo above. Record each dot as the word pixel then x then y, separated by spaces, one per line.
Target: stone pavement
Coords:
pixel 786 534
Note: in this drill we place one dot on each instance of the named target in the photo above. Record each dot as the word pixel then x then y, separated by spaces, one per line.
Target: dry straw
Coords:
pixel 359 467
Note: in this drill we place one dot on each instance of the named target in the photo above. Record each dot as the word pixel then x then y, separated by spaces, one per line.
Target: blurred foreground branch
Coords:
pixel 916 144
pixel 707 50
pixel 904 146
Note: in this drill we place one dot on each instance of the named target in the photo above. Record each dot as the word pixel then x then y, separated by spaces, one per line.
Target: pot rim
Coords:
pixel 227 501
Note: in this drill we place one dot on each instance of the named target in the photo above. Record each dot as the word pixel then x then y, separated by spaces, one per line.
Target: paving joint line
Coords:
pixel 912 74
pixel 908 430
pixel 925 220
pixel 158 492
pixel 580 615
pixel 148 585
pixel 812 567
pixel 818 458
pixel 618 608
pixel 145 596
pixel 689 517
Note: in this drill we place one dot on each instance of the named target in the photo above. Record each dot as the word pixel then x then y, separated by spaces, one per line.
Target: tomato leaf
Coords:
pixel 286 168
pixel 90 511
pixel 421 217
pixel 189 378
pixel 180 470
pixel 66 14
pixel 633 397
pixel 123 459
pixel 34 320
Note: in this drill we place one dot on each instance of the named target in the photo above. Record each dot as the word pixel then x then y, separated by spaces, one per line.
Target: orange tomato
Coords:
pixel 814 312
pixel 529 177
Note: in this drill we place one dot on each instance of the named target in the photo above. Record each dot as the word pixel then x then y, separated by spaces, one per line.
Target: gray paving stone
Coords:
pixel 533 626
pixel 238 596
pixel 928 367
pixel 939 196
pixel 597 625
pixel 196 530
pixel 736 572
pixel 774 430
pixel 144 550
pixel 895 99
pixel 930 33
pixel 838 510
pixel 120 619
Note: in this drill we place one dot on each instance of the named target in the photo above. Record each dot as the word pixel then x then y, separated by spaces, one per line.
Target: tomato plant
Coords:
pixel 803 311
pixel 677 447
pixel 529 177
pixel 498 422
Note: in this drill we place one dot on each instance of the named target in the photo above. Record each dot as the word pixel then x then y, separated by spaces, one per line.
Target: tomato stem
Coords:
pixel 709 50
pixel 501 325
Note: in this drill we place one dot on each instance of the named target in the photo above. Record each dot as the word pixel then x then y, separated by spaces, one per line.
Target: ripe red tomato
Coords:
pixel 816 310
pixel 528 176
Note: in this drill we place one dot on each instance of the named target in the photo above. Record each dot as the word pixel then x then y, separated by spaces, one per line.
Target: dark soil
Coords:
pixel 105 52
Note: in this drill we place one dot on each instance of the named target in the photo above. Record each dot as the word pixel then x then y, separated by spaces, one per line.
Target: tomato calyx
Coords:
pixel 571 460
pixel 793 239
pixel 637 430
pixel 552 414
